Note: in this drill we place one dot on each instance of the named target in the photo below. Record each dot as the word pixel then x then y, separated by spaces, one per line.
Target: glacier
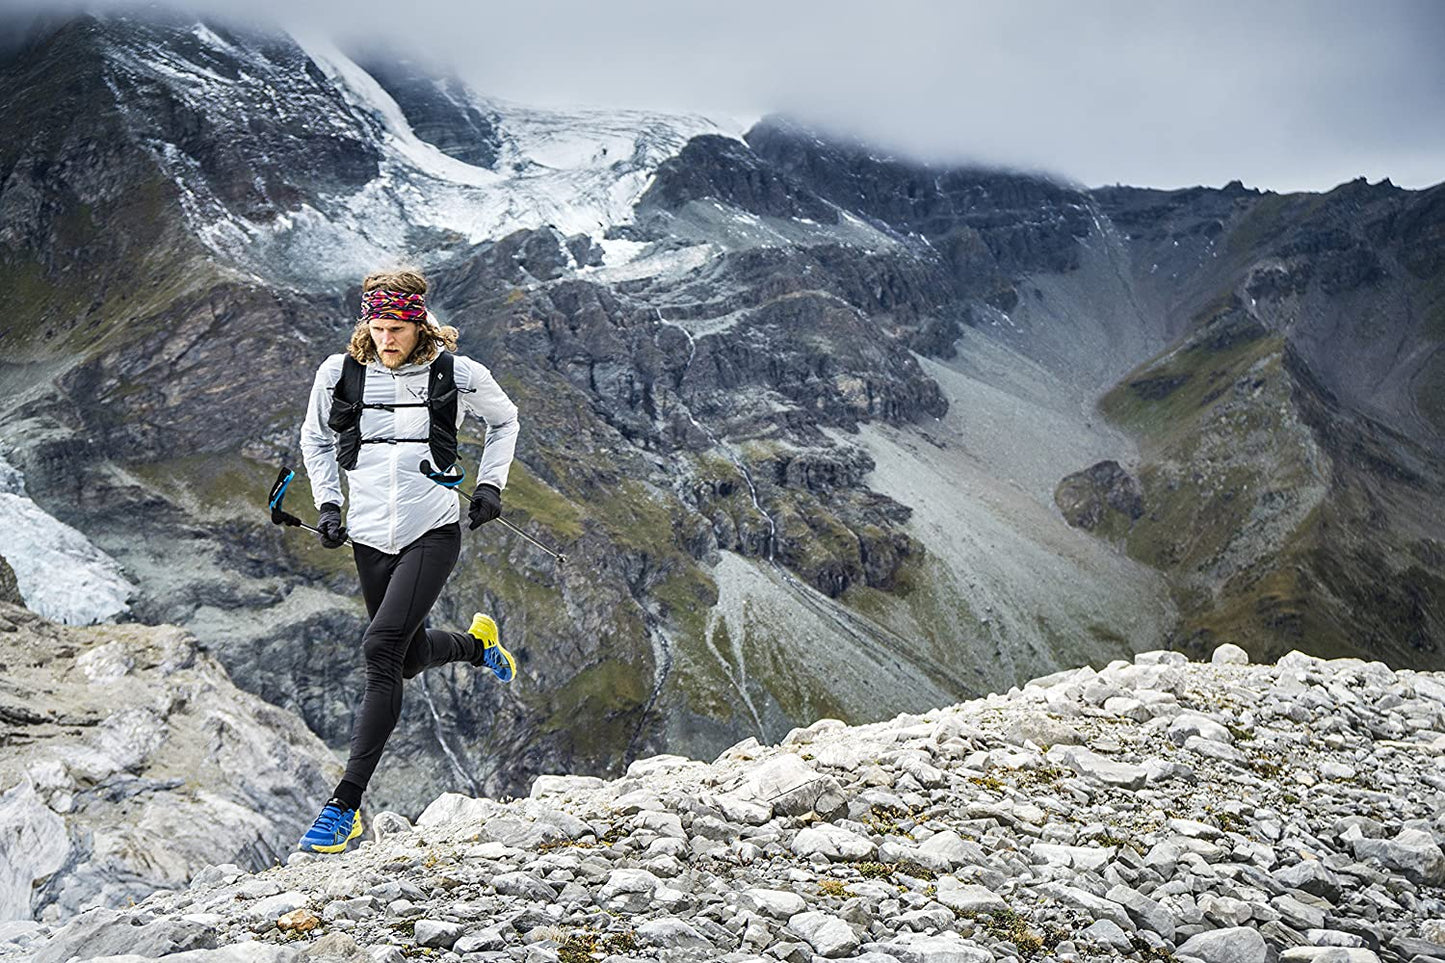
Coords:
pixel 578 171
pixel 62 575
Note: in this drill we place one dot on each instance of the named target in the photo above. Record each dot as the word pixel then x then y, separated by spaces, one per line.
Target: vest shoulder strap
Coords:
pixel 346 404
pixel 442 408
pixel 442 376
pixel 352 384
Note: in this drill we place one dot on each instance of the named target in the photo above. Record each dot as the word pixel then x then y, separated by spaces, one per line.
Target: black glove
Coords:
pixel 486 505
pixel 329 528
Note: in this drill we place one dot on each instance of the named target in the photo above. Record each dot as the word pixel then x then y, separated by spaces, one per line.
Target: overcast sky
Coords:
pixel 1282 94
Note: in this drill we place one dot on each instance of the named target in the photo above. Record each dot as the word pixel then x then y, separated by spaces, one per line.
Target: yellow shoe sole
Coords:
pixel 339 847
pixel 484 630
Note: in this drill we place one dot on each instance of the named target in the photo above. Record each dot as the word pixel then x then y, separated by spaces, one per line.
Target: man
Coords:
pixel 391 401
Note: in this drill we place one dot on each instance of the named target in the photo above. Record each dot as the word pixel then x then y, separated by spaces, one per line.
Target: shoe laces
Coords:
pixel 330 818
pixel 497 662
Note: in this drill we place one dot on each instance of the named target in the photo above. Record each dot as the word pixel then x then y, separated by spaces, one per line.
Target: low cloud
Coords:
pixel 1289 95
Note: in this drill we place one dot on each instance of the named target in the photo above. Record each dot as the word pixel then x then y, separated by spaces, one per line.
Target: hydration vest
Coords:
pixel 347 405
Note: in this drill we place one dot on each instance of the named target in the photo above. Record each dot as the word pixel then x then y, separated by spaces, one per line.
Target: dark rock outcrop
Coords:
pixel 9 588
pixel 1026 223
pixel 438 110
pixel 1088 497
pixel 725 170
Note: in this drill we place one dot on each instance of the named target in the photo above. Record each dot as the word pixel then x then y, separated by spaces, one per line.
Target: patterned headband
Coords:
pixel 394 306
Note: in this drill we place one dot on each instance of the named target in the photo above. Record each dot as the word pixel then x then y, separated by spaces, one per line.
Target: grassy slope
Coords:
pixel 1231 435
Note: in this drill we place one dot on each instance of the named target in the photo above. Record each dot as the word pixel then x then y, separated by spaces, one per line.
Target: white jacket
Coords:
pixel 392 502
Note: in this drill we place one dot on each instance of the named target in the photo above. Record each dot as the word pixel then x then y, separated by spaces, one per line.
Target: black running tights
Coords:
pixel 399 590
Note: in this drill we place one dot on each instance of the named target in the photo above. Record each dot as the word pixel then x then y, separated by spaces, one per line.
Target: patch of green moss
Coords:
pixel 541 502
pixel 1164 399
pixel 917 870
pixel 585 946
pixel 1189 522
pixel 1008 924
pixel 885 819
pixel 228 483
pixel 801 695
pixel 229 490
pixel 929 608
pixel 121 276
pixel 698 675
pixel 829 542
pixel 687 596
pixel 635 518
pixel 1114 525
pixel 1207 469
pixel 1107 634
pixel 1263 222
pixel 602 695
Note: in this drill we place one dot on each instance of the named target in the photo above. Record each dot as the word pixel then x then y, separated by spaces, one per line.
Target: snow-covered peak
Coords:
pixel 298 164
pixel 579 171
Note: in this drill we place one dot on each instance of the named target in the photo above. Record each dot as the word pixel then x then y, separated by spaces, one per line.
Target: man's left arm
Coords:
pixel 488 401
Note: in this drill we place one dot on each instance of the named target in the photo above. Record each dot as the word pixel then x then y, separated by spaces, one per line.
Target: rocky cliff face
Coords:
pixel 1295 409
pixel 797 413
pixel 130 762
pixel 1156 809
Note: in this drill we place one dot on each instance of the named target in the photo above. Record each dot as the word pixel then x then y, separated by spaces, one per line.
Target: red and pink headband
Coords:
pixel 393 305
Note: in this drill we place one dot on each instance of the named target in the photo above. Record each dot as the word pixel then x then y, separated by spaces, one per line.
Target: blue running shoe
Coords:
pixel 494 657
pixel 336 827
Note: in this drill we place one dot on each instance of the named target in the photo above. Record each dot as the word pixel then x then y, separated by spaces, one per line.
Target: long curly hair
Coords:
pixel 433 336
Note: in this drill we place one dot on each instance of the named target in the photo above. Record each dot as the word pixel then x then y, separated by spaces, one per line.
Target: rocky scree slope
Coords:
pixel 129 761
pixel 1156 809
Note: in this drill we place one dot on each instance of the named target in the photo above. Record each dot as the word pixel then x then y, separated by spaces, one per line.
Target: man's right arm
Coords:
pixel 318 441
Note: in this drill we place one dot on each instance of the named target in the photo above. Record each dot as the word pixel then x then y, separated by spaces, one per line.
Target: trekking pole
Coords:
pixel 447 479
pixel 278 493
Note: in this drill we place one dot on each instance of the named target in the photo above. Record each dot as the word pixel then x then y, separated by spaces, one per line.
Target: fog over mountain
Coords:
pixel 1293 95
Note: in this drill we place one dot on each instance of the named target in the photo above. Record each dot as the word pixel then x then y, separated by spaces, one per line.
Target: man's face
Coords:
pixel 394 340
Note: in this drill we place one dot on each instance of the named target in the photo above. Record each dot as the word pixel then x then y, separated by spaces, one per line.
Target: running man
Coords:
pixel 392 400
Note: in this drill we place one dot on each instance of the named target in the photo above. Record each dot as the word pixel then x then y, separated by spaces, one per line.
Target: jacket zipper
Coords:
pixel 395 495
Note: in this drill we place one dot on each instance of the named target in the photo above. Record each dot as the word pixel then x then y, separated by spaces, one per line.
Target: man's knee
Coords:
pixel 382 651
pixel 418 654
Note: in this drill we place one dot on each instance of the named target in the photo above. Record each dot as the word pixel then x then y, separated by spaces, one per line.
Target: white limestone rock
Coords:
pixel 34 843
pixel 1413 853
pixel 438 934
pixel 833 842
pixel 1235 944
pixel 939 948
pixel 968 898
pixel 670 933
pixel 1091 765
pixel 561 785
pixel 1191 724
pixel 779 904
pixel 1229 654
pixel 827 934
